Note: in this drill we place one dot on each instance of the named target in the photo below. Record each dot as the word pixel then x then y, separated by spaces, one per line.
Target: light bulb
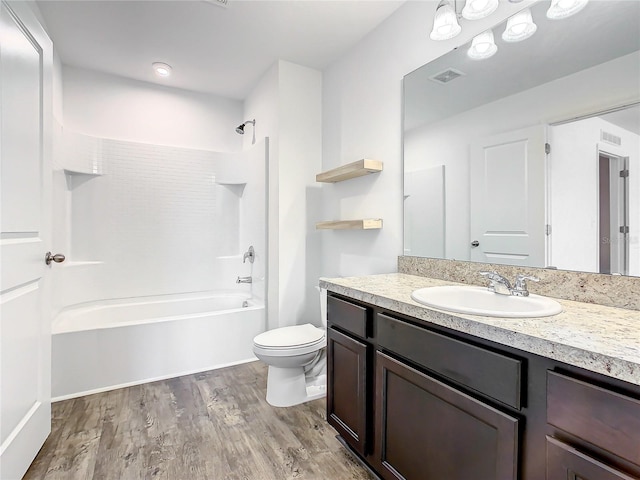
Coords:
pixel 519 27
pixel 445 23
pixel 482 46
pixel 476 9
pixel 161 69
pixel 560 9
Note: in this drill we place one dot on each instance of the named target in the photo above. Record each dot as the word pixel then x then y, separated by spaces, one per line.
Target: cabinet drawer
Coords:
pixel 490 373
pixel 348 316
pixel 565 462
pixel 599 416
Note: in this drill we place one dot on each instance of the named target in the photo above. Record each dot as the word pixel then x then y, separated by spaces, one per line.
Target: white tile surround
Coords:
pixel 150 220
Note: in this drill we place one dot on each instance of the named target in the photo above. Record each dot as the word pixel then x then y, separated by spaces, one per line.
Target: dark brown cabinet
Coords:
pixel 566 463
pixel 428 430
pixel 417 401
pixel 599 419
pixel 347 388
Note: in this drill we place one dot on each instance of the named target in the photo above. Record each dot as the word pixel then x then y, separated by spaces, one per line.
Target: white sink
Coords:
pixel 480 301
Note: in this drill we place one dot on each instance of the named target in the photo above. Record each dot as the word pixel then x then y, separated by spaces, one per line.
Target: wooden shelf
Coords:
pixel 352 170
pixel 364 224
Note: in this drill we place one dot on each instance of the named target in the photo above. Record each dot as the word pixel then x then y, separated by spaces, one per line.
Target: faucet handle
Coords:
pixel 520 286
pixel 486 273
pixel 250 254
pixel 498 283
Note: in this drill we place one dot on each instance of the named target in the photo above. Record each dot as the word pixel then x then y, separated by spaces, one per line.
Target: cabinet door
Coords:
pixel 567 463
pixel 347 388
pixel 427 430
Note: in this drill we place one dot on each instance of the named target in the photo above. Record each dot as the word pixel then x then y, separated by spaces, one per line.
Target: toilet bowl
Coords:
pixel 296 357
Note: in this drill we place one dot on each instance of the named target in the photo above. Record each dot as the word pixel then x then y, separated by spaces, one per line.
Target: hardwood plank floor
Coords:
pixel 214 425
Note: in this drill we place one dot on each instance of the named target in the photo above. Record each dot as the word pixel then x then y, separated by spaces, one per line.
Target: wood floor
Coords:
pixel 214 425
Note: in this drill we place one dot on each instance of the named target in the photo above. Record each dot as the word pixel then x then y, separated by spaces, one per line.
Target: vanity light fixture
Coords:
pixel 476 9
pixel 519 27
pixel 482 46
pixel 445 23
pixel 565 8
pixel 161 69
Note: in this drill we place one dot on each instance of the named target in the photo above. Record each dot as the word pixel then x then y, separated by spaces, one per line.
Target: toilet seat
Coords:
pixel 290 341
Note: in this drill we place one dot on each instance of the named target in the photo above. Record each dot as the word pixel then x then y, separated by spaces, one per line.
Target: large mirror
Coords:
pixel 530 157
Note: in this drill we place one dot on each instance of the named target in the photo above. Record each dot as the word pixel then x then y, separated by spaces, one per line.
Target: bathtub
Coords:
pixel 112 344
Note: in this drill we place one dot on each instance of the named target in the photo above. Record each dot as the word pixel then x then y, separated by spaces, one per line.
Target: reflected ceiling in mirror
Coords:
pixel 476 189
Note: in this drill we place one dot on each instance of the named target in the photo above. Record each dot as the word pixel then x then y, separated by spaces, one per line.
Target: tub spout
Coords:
pixel 244 280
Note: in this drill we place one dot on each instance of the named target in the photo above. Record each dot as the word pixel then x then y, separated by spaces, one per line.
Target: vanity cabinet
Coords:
pixel 348 372
pixel 592 418
pixel 567 463
pixel 429 430
pixel 417 401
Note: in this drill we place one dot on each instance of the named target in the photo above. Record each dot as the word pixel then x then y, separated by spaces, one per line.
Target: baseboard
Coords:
pixel 149 380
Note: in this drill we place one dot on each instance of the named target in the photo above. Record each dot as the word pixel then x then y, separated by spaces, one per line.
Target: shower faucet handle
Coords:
pixel 250 254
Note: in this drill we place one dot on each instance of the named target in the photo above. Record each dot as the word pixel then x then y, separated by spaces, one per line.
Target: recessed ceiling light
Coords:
pixel 161 69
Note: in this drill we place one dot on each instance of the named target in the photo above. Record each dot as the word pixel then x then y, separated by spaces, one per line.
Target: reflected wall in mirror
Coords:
pixel 530 157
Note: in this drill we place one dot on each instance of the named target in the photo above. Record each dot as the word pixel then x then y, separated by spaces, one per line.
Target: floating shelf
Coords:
pixel 364 224
pixel 352 170
pixel 78 172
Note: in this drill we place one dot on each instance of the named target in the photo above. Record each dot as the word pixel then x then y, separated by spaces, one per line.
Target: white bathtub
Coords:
pixel 113 344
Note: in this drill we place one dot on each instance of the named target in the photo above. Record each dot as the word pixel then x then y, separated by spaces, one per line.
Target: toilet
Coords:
pixel 296 357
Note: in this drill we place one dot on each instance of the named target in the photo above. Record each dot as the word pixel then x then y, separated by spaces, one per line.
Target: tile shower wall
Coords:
pixel 155 220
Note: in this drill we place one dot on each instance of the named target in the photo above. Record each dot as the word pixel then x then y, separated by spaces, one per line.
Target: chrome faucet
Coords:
pixel 244 280
pixel 497 283
pixel 501 285
pixel 520 287
pixel 250 254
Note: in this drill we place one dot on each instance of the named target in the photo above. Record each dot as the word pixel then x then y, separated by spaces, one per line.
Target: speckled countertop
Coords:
pixel 601 339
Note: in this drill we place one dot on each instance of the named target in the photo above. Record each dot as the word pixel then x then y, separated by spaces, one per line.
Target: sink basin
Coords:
pixel 480 301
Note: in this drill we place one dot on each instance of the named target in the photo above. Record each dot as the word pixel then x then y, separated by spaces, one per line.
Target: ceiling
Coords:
pixel 213 49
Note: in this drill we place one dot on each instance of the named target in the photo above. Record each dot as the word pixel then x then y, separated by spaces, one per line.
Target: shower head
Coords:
pixel 240 128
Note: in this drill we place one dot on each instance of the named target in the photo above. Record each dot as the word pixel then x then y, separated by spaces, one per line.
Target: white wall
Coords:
pixel 253 214
pixel 362 117
pixel 262 104
pixel 574 188
pixel 286 104
pixel 108 106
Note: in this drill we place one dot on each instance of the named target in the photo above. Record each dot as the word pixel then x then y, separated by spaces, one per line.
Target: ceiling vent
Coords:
pixel 219 3
pixel 446 76
pixel 610 138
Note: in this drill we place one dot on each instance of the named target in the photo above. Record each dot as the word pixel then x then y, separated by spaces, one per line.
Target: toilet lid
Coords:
pixel 289 336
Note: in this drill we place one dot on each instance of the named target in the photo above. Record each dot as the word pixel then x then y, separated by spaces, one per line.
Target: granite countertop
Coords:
pixel 601 339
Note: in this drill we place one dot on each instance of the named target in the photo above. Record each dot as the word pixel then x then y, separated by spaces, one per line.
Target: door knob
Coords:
pixel 58 258
pixel 475 243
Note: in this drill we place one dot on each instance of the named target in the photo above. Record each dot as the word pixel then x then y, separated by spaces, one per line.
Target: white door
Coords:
pixel 507 175
pixel 25 149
